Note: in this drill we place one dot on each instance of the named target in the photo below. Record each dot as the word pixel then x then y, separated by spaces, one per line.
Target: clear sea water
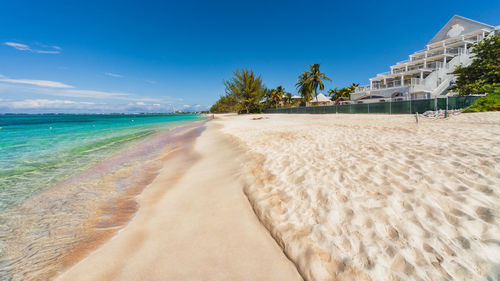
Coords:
pixel 37 151
pixel 68 183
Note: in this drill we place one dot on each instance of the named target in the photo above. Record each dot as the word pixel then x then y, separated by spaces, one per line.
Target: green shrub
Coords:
pixel 490 102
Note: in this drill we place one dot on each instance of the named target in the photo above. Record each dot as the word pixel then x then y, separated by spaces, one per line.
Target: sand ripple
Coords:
pixel 360 197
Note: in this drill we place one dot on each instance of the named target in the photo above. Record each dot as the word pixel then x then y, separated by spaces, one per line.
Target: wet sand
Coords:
pixel 194 223
pixel 54 229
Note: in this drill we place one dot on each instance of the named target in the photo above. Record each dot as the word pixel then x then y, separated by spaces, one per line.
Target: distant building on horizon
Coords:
pixel 426 73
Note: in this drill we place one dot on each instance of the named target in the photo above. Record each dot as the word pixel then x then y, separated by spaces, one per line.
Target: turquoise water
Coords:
pixel 38 151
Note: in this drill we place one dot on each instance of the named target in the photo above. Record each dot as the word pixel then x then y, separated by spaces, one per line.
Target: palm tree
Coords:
pixel 345 92
pixel 315 79
pixel 246 87
pixel 332 93
pixel 288 98
pixel 280 90
pixel 276 96
pixel 304 87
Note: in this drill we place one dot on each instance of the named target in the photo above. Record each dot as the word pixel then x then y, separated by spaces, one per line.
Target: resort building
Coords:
pixel 425 74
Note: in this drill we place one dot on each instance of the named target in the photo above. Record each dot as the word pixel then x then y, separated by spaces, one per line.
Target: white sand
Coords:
pixel 194 223
pixel 367 197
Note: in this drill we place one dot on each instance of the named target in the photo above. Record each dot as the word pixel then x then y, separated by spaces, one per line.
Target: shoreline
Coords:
pixel 315 197
pixel 59 226
pixel 194 223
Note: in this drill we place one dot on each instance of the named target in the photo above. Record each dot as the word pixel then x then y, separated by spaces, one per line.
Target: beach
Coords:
pixel 316 197
pixel 378 197
pixel 194 223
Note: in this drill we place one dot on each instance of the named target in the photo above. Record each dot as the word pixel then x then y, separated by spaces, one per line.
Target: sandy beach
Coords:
pixel 377 197
pixel 194 223
pixel 317 197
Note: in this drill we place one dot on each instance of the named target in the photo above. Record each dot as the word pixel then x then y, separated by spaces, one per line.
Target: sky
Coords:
pixel 159 56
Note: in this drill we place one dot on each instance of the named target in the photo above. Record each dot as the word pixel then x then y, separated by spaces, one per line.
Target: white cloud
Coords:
pixel 44 103
pixel 76 93
pixel 18 46
pixel 113 74
pixel 69 99
pixel 40 83
pixel 46 52
pixel 24 47
pixel 70 106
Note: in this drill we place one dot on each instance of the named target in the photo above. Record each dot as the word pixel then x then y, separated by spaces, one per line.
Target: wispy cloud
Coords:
pixel 45 103
pixel 53 88
pixel 46 52
pixel 40 83
pixel 113 74
pixel 18 46
pixel 70 106
pixel 27 48
pixel 150 81
pixel 37 98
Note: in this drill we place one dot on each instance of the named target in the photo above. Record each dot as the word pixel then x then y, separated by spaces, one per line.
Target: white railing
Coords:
pixel 445 84
pixel 362 88
pixel 384 73
pixel 419 51
pixel 415 81
pixel 409 82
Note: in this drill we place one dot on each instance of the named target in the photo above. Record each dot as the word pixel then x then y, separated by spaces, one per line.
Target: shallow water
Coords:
pixel 67 183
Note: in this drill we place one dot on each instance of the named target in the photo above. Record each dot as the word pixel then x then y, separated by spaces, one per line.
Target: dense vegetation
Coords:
pixel 490 102
pixel 243 93
pixel 338 95
pixel 482 76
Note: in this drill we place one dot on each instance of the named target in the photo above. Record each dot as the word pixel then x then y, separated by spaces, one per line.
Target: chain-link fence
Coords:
pixel 388 107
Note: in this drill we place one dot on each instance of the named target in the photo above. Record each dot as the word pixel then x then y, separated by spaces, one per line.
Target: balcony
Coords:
pixel 429 67
pixel 448 52
pixel 364 88
pixel 409 82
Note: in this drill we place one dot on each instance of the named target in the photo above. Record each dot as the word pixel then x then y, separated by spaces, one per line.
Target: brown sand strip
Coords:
pixel 194 223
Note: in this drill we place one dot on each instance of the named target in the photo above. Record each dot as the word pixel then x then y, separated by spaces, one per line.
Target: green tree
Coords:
pixel 315 79
pixel 275 96
pixel 344 93
pixel 247 88
pixel 333 93
pixel 304 87
pixel 490 102
pixel 226 103
pixel 483 72
pixel 287 98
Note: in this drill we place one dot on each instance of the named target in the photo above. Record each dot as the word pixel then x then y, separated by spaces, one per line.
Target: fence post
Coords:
pixel 435 104
pixel 368 107
pixel 410 105
pixel 390 106
pixel 446 111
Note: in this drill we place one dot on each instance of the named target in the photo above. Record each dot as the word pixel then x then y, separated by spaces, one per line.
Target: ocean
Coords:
pixel 58 172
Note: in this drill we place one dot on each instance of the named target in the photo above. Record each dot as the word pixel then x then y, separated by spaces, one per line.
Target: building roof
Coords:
pixel 296 97
pixel 457 26
pixel 321 98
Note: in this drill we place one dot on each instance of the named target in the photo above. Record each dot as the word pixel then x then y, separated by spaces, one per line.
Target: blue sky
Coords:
pixel 133 56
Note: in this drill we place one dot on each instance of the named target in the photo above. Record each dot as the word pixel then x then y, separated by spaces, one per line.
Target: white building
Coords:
pixel 321 99
pixel 426 73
